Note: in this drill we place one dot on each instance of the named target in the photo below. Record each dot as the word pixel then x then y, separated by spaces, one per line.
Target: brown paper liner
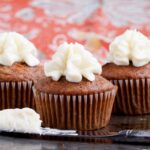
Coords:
pixel 16 95
pixel 133 97
pixel 81 112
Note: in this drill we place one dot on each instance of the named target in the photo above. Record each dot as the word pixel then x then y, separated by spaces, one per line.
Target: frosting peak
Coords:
pixel 130 46
pixel 72 61
pixel 16 48
pixel 20 120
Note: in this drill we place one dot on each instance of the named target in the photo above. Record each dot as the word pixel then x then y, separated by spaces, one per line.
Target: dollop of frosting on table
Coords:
pixel 24 120
pixel 16 48
pixel 130 46
pixel 72 61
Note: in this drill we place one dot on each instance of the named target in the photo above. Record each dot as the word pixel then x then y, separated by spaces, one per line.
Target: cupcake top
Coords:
pixel 20 120
pixel 21 72
pixel 74 62
pixel 112 71
pixel 16 48
pixel 130 46
pixel 73 70
pixel 63 87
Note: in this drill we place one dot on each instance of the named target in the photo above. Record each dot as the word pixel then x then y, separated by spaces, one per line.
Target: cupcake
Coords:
pixel 72 94
pixel 128 67
pixel 18 69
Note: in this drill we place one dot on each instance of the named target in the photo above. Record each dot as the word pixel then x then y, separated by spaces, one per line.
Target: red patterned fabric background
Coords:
pixel 94 23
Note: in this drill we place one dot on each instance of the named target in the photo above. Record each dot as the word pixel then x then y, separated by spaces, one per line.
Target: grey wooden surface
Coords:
pixel 7 143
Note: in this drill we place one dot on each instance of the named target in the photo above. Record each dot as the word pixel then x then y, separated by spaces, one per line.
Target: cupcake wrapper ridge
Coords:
pixel 16 95
pixel 133 97
pixel 82 112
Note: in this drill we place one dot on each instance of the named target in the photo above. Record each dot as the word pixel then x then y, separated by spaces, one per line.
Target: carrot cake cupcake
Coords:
pixel 129 69
pixel 73 94
pixel 18 68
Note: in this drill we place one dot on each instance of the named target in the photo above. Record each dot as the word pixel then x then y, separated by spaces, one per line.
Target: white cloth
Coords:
pixel 21 120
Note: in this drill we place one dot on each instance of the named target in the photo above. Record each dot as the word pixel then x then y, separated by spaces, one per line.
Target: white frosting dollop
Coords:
pixel 24 120
pixel 72 61
pixel 16 48
pixel 130 46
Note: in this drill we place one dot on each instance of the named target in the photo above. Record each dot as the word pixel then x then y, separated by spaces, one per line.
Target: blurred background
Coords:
pixel 94 23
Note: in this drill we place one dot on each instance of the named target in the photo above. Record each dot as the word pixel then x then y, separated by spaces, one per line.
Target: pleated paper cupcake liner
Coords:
pixel 16 95
pixel 133 97
pixel 81 112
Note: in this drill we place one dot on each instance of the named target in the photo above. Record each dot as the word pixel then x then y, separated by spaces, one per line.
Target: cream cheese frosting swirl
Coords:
pixel 16 48
pixel 72 61
pixel 20 120
pixel 130 46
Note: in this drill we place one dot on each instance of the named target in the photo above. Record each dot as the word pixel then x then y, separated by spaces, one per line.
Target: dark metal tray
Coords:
pixel 121 129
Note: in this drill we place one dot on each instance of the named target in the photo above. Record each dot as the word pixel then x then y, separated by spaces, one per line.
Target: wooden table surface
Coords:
pixel 7 143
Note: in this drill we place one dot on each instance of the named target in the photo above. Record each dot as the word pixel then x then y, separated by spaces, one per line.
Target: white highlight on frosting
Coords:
pixel 20 120
pixel 16 48
pixel 72 61
pixel 130 46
